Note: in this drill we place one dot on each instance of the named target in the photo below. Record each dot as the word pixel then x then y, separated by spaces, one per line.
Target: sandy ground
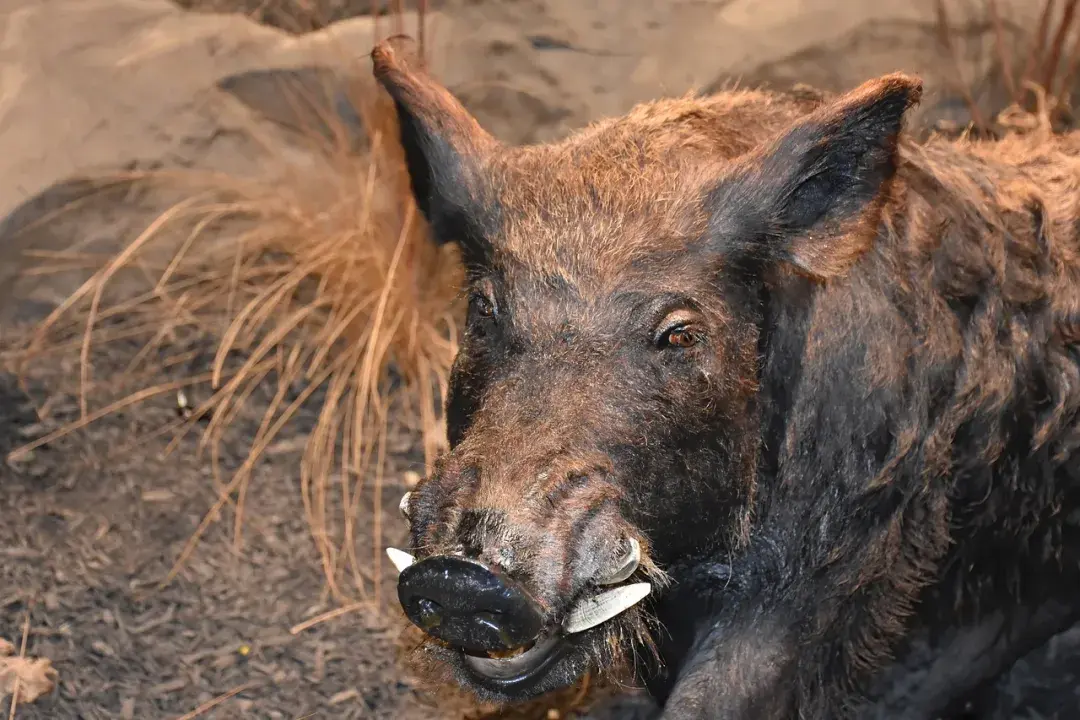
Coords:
pixel 89 525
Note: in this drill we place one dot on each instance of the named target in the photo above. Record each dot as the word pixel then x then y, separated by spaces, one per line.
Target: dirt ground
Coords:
pixel 92 523
pixel 98 530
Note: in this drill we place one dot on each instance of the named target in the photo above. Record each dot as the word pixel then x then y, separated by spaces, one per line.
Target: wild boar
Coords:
pixel 751 381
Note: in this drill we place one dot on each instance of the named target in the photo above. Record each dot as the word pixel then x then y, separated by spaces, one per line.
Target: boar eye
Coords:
pixel 680 336
pixel 679 330
pixel 483 305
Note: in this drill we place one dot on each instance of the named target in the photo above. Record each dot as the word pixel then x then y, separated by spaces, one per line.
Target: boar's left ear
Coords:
pixel 813 197
pixel 444 145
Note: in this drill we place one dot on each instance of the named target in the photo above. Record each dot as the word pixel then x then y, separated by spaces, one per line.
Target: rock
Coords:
pixel 92 85
pixel 305 100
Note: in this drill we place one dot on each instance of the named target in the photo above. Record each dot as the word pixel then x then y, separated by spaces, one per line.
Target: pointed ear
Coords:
pixel 813 197
pixel 444 145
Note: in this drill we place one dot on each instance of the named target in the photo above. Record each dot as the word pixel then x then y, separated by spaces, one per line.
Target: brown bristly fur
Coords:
pixel 321 278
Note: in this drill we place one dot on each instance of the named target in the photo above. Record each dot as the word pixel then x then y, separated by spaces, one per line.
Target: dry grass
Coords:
pixel 320 281
pixel 1037 67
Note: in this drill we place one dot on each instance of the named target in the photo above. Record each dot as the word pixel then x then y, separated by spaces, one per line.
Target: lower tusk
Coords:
pixel 627 567
pixel 600 608
pixel 400 558
pixel 403 506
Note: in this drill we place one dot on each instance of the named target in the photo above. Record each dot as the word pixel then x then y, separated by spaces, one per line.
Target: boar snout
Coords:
pixel 520 566
pixel 468 604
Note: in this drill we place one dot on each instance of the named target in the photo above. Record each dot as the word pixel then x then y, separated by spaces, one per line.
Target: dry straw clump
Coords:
pixel 321 283
pixel 1037 68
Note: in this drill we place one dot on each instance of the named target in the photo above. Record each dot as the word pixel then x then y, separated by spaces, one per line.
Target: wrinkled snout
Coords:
pixel 469 605
pixel 465 596
pixel 519 563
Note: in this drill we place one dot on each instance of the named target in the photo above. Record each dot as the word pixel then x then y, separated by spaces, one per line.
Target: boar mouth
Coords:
pixel 526 664
pixel 588 613
pixel 517 668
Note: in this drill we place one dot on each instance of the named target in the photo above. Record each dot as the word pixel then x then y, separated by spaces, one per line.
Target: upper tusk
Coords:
pixel 627 567
pixel 600 608
pixel 404 504
pixel 400 558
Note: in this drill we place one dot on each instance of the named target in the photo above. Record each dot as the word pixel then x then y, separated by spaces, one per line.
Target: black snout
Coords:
pixel 468 604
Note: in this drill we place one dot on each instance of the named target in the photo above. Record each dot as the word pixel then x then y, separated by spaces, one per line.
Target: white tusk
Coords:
pixel 600 608
pixel 628 566
pixel 400 558
pixel 404 504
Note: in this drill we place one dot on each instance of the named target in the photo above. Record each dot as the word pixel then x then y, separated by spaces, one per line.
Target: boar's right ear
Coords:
pixel 444 146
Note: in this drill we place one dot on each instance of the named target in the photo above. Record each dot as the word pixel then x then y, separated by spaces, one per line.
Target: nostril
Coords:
pixel 430 613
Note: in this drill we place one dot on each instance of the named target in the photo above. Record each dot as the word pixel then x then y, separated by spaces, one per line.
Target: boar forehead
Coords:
pixel 596 232
pixel 611 204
